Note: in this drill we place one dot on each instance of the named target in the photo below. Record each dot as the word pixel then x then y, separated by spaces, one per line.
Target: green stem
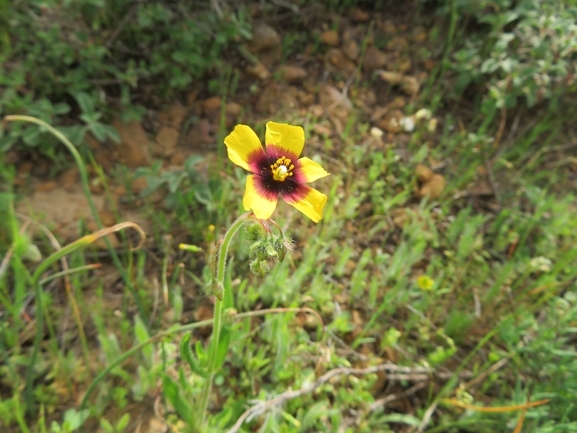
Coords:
pixel 86 188
pixel 36 283
pixel 218 307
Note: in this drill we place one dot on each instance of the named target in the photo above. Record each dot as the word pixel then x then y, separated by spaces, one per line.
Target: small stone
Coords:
pixel 321 129
pixel 173 115
pixel 359 16
pixel 392 121
pixel 376 132
pixel 420 35
pixel 351 50
pixel 167 139
pixel 177 159
pixel 291 73
pixel 316 110
pixel 399 217
pixel 69 179
pixel 233 108
pixel 276 98
pixel 330 97
pixel 212 104
pixel 263 37
pixel 410 85
pixel 389 28
pixel 404 65
pixel 47 186
pixel 191 98
pixel 133 146
pixel 108 218
pixel 390 77
pixel 337 58
pixel 138 185
pixel 375 59
pixel 408 123
pixel 433 188
pixel 397 44
pixel 423 173
pixel 330 37
pixel 258 71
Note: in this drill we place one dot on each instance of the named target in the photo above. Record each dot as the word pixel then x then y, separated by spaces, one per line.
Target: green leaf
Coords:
pixel 180 404
pixel 61 108
pixel 188 356
pixel 85 102
pixel 141 334
pixel 98 130
pixel 112 133
pixel 401 418
pixel 222 347
pixel 122 422
pixel 106 426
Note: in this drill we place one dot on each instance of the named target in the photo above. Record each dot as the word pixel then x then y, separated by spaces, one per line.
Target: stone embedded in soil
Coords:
pixel 263 37
pixel 391 77
pixel 398 44
pixel 133 146
pixel 69 179
pixel 276 98
pixel 351 50
pixel 330 37
pixel 330 97
pixel 423 173
pixel 410 85
pixel 202 134
pixel 46 186
pixel 258 71
pixel 63 217
pixel 375 59
pixel 167 139
pixel 212 104
pixel 138 185
pixel 233 108
pixel 339 61
pixel 392 121
pixel 433 188
pixel 359 16
pixel 292 74
pixel 173 115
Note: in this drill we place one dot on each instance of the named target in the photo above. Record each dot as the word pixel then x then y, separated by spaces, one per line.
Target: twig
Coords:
pixel 262 406
pixel 419 374
pixel 427 417
pixel 389 398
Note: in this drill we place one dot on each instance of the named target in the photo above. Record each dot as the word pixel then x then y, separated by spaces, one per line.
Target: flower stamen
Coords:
pixel 282 169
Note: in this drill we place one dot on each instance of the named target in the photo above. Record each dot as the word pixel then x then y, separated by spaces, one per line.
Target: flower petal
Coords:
pixel 284 136
pixel 257 200
pixel 310 170
pixel 244 148
pixel 309 201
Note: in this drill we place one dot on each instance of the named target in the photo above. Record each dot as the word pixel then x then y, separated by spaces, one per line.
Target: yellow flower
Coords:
pixel 425 283
pixel 277 171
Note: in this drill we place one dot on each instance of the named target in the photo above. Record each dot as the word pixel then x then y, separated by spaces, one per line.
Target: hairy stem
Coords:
pixel 221 253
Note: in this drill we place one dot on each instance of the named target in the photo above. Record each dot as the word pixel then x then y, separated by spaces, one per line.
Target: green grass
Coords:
pixel 495 328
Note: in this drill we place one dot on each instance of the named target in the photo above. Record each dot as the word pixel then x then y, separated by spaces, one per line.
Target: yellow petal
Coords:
pixel 243 146
pixel 311 170
pixel 311 204
pixel 263 205
pixel 287 137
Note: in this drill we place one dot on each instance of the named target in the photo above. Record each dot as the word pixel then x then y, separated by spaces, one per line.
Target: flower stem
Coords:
pixel 221 253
